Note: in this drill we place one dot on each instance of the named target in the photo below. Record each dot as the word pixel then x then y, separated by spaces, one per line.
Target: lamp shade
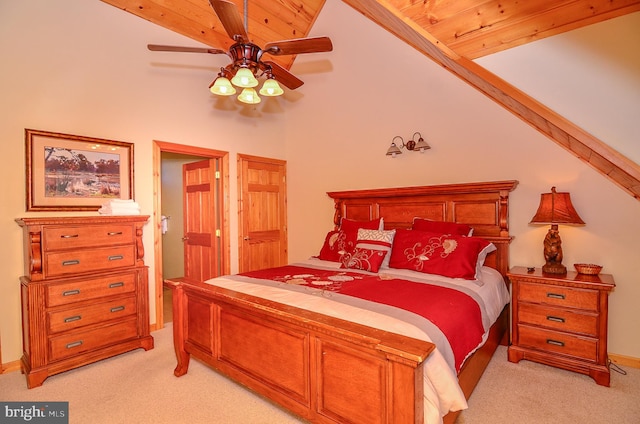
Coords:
pixel 222 87
pixel 393 150
pixel 421 145
pixel 249 96
pixel 556 208
pixel 271 88
pixel 244 78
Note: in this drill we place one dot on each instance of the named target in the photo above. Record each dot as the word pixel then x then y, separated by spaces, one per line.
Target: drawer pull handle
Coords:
pixel 71 292
pixel 70 236
pixel 555 296
pixel 555 342
pixel 116 285
pixel 555 319
pixel 114 233
pixel 117 309
pixel 116 257
pixel 74 344
pixel 72 262
pixel 73 318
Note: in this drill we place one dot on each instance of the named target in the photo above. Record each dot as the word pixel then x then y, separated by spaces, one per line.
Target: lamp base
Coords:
pixel 554 268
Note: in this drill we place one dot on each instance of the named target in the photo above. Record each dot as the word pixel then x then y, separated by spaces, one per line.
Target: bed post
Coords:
pixel 178 327
pixel 337 214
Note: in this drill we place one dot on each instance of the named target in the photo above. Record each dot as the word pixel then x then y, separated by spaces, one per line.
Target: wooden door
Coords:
pixel 262 213
pixel 202 220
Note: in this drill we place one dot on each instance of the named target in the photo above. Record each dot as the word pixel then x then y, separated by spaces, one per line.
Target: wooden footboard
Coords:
pixel 324 369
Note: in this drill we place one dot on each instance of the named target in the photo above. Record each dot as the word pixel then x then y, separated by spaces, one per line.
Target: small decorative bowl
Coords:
pixel 589 269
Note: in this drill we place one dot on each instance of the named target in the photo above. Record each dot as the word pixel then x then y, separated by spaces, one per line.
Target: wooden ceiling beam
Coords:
pixel 615 166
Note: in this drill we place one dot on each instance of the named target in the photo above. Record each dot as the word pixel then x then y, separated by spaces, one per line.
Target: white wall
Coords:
pixel 379 88
pixel 82 68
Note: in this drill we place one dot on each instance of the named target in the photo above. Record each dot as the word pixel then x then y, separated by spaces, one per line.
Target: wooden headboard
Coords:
pixel 484 206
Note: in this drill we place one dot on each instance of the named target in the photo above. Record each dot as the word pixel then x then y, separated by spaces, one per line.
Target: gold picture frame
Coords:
pixel 75 173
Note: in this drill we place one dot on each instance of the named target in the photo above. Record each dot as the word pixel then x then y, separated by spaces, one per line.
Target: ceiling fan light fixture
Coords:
pixel 222 87
pixel 271 88
pixel 249 96
pixel 244 78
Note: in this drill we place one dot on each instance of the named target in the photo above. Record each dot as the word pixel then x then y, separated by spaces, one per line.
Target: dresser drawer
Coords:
pixel 559 319
pixel 556 342
pixel 89 260
pixel 91 314
pixel 91 288
pixel 559 296
pixel 83 341
pixel 59 238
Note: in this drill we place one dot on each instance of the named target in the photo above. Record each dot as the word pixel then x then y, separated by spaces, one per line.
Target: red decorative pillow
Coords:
pixel 453 256
pixel 377 240
pixel 339 242
pixel 442 227
pixel 363 258
pixel 333 247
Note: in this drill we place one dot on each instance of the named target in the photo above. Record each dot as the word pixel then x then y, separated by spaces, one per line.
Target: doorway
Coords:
pixel 169 216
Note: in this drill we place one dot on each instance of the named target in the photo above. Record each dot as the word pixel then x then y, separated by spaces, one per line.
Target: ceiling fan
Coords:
pixel 247 62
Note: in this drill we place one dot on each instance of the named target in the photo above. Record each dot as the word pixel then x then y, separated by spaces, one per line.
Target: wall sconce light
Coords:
pixel 555 208
pixel 415 146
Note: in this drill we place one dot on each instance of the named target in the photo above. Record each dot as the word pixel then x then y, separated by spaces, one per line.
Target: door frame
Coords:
pixel 158 148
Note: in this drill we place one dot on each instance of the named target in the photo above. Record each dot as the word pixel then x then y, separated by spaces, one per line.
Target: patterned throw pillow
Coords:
pixel 448 255
pixel 339 242
pixel 364 259
pixel 379 240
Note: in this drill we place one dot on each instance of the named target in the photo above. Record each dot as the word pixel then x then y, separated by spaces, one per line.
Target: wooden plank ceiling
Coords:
pixel 450 32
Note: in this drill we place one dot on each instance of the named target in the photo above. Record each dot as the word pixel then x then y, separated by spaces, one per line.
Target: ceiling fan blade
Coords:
pixel 231 19
pixel 299 45
pixel 283 76
pixel 161 48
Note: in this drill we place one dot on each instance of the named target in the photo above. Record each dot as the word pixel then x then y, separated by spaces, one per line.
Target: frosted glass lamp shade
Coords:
pixel 222 87
pixel 271 88
pixel 244 78
pixel 249 96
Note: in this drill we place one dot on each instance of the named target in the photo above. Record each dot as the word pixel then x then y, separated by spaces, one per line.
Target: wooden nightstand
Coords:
pixel 561 320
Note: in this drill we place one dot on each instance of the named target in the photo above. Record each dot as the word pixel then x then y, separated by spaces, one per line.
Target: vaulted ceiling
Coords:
pixel 450 32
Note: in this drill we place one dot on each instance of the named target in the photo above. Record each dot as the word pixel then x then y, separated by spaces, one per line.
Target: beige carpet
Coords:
pixel 139 387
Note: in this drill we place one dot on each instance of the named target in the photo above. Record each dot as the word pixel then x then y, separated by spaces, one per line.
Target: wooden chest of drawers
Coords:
pixel 561 320
pixel 84 292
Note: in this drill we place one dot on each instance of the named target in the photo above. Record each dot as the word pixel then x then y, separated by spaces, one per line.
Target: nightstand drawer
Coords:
pixel 556 342
pixel 83 341
pixel 565 297
pixel 91 288
pixel 91 314
pixel 89 260
pixel 57 238
pixel 559 319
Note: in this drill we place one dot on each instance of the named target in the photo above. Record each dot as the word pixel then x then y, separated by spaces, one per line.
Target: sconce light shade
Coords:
pixel 249 96
pixel 393 150
pixel 244 78
pixel 421 145
pixel 222 87
pixel 271 88
pixel 555 208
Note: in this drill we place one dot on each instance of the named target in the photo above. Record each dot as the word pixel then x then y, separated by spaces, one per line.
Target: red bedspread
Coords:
pixel 456 314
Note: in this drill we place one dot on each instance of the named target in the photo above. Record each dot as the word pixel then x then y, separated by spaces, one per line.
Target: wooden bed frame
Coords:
pixel 328 370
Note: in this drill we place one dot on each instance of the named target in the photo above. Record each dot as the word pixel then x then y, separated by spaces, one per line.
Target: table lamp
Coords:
pixel 555 208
